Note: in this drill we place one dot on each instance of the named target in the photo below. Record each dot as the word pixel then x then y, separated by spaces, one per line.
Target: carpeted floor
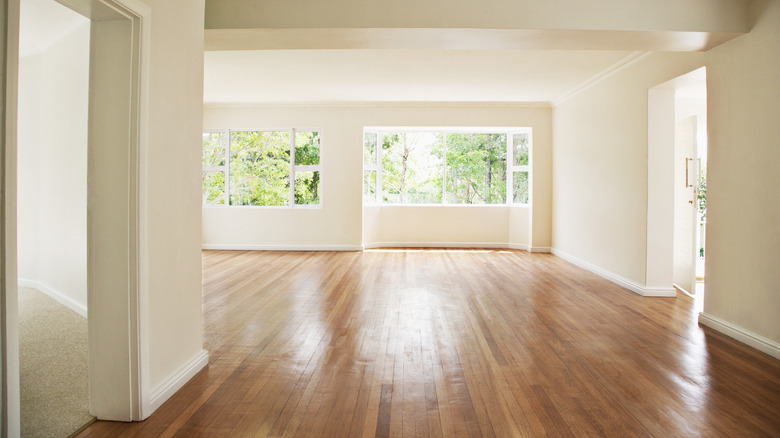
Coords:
pixel 53 367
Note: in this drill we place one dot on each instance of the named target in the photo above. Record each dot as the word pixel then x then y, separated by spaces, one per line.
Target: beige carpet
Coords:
pixel 53 367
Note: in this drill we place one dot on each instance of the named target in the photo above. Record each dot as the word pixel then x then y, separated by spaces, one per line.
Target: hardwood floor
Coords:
pixel 449 343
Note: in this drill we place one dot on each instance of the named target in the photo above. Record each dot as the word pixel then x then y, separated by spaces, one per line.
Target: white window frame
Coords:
pixel 293 167
pixel 380 131
pixel 224 168
pixel 512 168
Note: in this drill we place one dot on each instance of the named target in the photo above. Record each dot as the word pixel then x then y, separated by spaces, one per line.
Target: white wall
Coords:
pixel 600 162
pixel 483 226
pixel 173 221
pixel 338 223
pixel 743 212
pixel 52 184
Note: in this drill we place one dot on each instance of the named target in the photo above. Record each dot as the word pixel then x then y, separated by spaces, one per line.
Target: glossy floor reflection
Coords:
pixel 454 343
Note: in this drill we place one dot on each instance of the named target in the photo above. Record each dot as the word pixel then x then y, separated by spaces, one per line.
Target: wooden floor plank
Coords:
pixel 441 343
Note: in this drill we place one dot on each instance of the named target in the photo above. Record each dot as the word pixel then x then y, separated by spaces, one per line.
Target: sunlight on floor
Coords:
pixel 441 250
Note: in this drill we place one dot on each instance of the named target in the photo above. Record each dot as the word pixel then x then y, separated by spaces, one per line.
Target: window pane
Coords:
pixel 307 188
pixel 214 148
pixel 369 186
pixel 307 148
pixel 369 148
pixel 520 188
pixel 521 144
pixel 476 168
pixel 412 168
pixel 260 168
pixel 214 188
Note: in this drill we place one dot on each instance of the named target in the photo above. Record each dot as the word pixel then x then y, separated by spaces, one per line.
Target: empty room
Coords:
pixel 362 218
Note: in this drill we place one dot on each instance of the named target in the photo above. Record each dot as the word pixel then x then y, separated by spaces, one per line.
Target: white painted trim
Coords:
pixel 56 295
pixel 490 245
pixel 232 247
pixel 617 279
pixel 680 289
pixel 272 105
pixel 747 337
pixel 177 380
pixel 541 249
pixel 519 246
pixel 600 76
pixel 667 292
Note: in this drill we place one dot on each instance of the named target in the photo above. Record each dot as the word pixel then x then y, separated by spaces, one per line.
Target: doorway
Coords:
pixel 676 186
pixel 52 218
pixel 690 187
pixel 116 141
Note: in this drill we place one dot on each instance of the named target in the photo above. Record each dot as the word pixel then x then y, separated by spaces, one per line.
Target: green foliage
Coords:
pixel 701 196
pixel 411 168
pixel 369 149
pixel 307 188
pixel 260 168
pixel 307 148
pixel 520 187
pixel 522 150
pixel 419 168
pixel 214 188
pixel 214 148
pixel 476 168
pixel 369 186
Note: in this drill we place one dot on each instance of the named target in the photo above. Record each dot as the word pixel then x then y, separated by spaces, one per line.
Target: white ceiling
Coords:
pixel 400 75
pixel 42 22
pixel 405 75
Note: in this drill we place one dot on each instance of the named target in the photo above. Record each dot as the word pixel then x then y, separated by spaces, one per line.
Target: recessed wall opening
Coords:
pixel 430 186
pixel 52 218
pixel 87 102
pixel 676 209
pixel 690 109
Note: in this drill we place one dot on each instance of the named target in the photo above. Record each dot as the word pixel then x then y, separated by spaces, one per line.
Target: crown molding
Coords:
pixel 600 76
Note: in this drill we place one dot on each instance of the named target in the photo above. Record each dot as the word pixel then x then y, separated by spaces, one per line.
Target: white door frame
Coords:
pixel 117 292
pixel 660 183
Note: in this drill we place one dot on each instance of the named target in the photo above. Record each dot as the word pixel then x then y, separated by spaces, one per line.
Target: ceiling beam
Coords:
pixel 461 39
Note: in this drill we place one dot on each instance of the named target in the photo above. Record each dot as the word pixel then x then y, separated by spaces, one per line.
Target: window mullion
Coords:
pixel 378 191
pixel 510 166
pixel 227 168
pixel 292 168
pixel 444 173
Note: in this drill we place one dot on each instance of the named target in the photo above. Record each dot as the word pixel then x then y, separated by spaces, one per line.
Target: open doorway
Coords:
pixel 676 187
pixel 52 218
pixel 119 37
pixel 690 186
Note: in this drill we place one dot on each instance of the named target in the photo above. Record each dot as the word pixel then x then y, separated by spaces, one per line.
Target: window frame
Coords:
pixel 293 167
pixel 511 168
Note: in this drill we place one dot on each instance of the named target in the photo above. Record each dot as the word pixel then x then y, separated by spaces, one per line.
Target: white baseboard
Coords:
pixel 491 245
pixel 519 246
pixel 754 340
pixel 541 249
pixel 58 296
pixel 229 247
pixel 668 292
pixel 617 279
pixel 435 245
pixel 680 289
pixel 176 381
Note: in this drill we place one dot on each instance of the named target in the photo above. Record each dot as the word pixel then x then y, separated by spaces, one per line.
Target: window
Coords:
pixel 469 166
pixel 261 168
